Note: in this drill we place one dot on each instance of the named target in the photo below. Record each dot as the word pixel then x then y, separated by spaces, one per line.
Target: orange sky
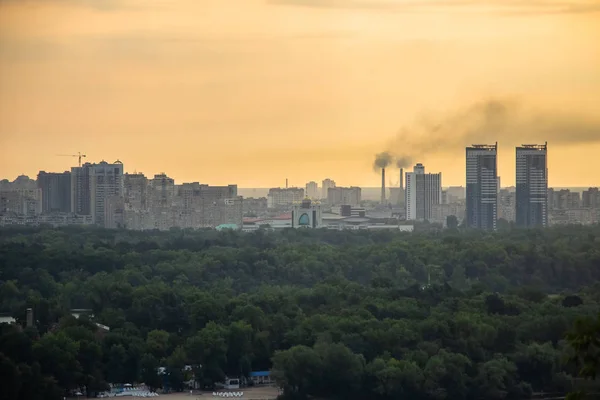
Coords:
pixel 254 91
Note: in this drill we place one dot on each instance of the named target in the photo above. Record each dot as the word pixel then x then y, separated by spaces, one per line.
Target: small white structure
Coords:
pixel 232 383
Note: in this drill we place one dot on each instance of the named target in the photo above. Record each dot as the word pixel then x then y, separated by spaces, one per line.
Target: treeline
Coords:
pixel 374 315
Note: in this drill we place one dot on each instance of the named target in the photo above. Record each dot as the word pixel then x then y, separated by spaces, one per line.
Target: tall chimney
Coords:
pixel 382 185
pixel 286 183
pixel 401 193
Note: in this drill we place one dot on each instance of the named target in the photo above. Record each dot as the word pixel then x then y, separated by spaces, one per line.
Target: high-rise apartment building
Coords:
pixel 56 191
pixel 92 185
pixel 344 195
pixel 563 199
pixel 106 184
pixel 506 204
pixel 81 202
pixel 312 190
pixel 161 191
pixel 422 192
pixel 590 198
pixel 532 186
pixel 455 194
pixel 482 186
pixel 21 201
pixel 279 197
pixel 325 186
pixel 135 191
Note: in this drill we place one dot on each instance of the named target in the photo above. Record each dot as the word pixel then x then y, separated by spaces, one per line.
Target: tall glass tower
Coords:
pixel 532 185
pixel 482 186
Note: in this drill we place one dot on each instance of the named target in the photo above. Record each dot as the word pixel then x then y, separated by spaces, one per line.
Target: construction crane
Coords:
pixel 78 155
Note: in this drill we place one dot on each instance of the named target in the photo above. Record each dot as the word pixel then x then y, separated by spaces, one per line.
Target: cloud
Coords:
pixel 497 6
pixel 506 121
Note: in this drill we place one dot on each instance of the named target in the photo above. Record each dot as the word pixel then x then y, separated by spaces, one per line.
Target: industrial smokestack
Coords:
pixel 382 185
pixel 401 193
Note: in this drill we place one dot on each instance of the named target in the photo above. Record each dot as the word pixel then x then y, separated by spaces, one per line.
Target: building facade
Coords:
pixel 21 201
pixel 590 198
pixel 81 202
pixel 312 190
pixel 422 192
pixel 282 197
pixel 325 186
pixel 507 204
pixel 161 191
pixel 135 191
pixel 482 186
pixel 455 194
pixel 92 185
pixel 307 215
pixel 441 212
pixel 532 186
pixel 56 191
pixel 344 195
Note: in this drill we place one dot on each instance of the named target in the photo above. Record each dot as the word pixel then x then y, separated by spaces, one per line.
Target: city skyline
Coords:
pixel 104 194
pixel 392 176
pixel 275 91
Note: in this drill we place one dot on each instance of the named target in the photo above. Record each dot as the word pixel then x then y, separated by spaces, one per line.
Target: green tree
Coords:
pixel 149 368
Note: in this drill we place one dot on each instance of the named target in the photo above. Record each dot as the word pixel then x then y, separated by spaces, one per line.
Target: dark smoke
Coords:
pixel 403 161
pixel 498 120
pixel 382 160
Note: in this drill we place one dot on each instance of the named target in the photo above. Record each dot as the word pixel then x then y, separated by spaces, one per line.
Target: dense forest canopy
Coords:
pixel 348 315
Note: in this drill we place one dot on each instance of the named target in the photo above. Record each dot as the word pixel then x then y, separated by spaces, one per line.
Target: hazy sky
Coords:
pixel 254 91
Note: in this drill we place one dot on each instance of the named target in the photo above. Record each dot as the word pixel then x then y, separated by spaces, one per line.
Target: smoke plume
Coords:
pixel 382 160
pixel 507 122
pixel 403 161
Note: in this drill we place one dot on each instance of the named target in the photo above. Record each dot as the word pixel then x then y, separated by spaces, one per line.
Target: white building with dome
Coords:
pixel 307 214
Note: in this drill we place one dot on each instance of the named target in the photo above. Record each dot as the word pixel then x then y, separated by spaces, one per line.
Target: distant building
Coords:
pixel 23 182
pixel 482 186
pixel 135 191
pixel 279 197
pixel 53 219
pixel 344 195
pixel 81 192
pixel 507 205
pixel 306 215
pixel 584 216
pixel 187 193
pixel 56 191
pixel 397 196
pixel 161 191
pixel 255 205
pixel 325 186
pixel 455 194
pixel 114 212
pixel 532 186
pixel 441 212
pixel 21 201
pixel 563 199
pixel 590 198
pixel 261 377
pixel 312 190
pixel 278 222
pixel 348 210
pixel 341 222
pixel 422 192
pixel 91 187
pixel 223 212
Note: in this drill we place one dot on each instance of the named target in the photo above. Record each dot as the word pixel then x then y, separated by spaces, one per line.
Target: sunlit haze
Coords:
pixel 253 92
